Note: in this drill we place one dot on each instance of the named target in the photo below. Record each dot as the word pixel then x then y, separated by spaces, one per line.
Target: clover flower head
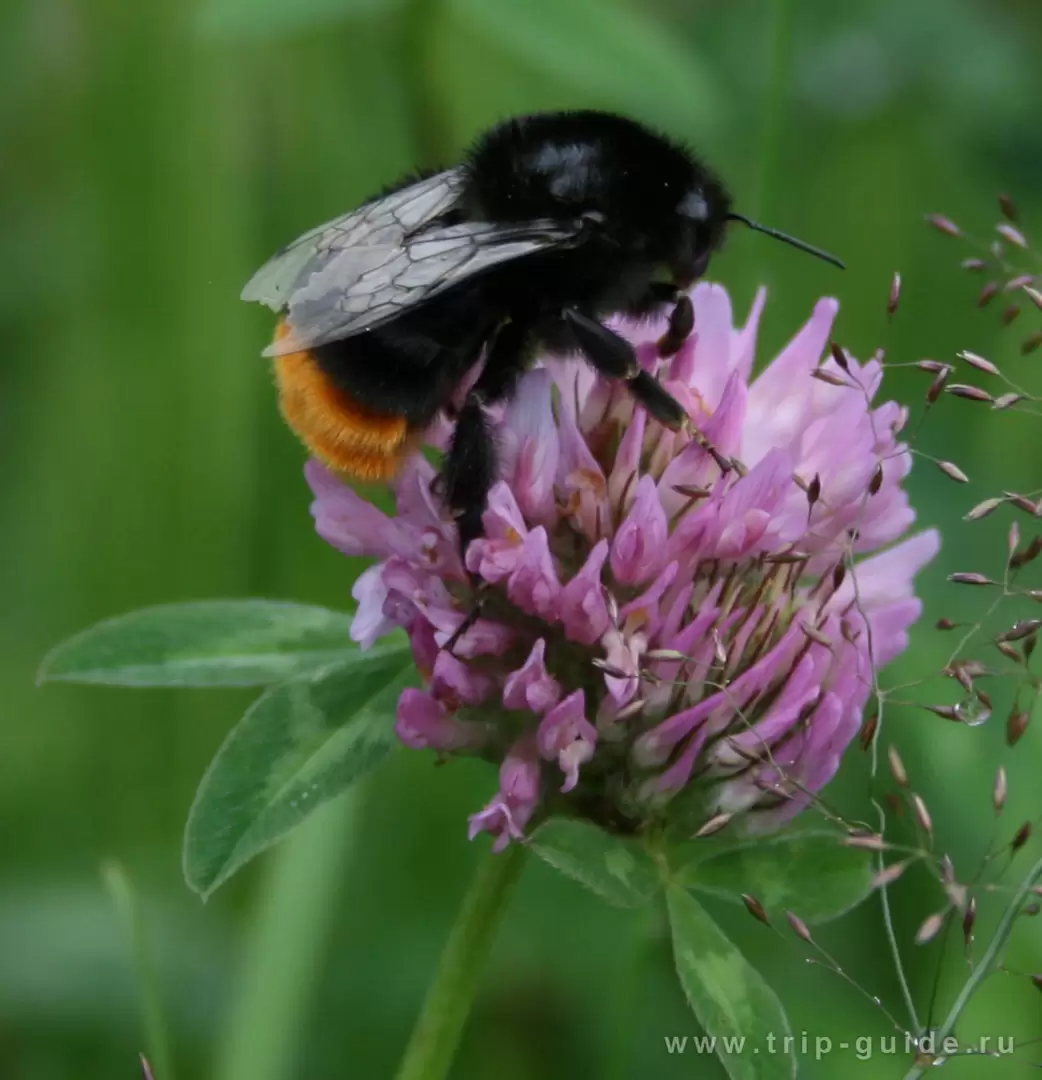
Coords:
pixel 667 613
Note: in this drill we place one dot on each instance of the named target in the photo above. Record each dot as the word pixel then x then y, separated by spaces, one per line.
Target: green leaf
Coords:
pixel 617 869
pixel 810 873
pixel 299 744
pixel 595 51
pixel 211 643
pixel 728 996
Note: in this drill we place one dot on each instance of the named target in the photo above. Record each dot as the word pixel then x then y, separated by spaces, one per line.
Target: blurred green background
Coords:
pixel 153 154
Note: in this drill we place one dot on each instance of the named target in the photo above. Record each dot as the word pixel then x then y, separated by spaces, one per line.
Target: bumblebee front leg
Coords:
pixel 615 357
pixel 609 353
pixel 681 323
pixel 681 318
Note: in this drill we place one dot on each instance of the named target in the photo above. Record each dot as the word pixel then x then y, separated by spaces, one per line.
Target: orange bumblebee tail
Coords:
pixel 347 436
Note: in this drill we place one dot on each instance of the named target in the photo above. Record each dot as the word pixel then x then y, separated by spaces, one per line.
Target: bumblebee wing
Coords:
pixel 383 223
pixel 364 287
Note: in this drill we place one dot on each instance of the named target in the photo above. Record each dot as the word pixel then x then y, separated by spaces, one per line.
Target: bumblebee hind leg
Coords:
pixel 470 467
pixel 470 470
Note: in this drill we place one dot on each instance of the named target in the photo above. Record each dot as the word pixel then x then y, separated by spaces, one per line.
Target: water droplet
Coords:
pixel 972 712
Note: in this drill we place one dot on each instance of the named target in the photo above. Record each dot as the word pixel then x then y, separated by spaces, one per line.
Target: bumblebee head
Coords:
pixel 702 216
pixel 700 223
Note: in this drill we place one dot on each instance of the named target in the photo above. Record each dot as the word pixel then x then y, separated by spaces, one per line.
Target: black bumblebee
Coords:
pixel 551 224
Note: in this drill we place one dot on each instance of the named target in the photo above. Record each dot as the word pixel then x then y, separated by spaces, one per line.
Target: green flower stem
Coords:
pixel 436 1035
pixel 643 954
pixel 984 968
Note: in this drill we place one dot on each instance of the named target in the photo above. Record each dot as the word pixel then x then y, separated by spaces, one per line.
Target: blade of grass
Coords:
pixel 285 942
pixel 153 1015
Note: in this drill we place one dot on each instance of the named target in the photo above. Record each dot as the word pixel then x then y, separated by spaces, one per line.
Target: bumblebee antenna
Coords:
pixel 785 238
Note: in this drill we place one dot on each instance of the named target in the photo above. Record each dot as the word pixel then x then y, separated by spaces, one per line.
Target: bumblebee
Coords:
pixel 551 224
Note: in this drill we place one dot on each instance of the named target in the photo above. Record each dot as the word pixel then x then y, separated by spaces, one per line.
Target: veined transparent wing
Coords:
pixel 364 269
pixel 385 222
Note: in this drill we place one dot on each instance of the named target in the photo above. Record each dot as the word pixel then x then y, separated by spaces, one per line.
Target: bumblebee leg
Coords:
pixel 609 353
pixel 667 411
pixel 659 402
pixel 681 323
pixel 605 350
pixel 681 319
pixel 470 465
pixel 471 618
pixel 468 473
pixel 470 469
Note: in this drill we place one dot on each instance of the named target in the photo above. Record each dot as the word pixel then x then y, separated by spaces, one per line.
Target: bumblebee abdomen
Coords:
pixel 343 433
